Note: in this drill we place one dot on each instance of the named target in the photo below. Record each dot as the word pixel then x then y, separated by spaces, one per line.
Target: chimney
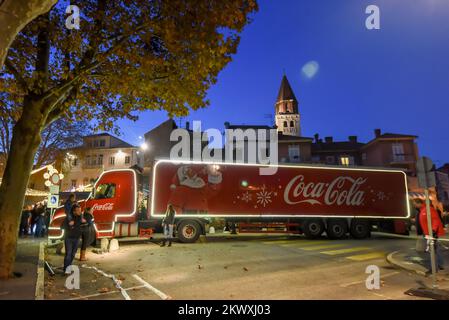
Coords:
pixel 353 139
pixel 377 133
pixel 317 137
pixel 329 139
pixel 187 125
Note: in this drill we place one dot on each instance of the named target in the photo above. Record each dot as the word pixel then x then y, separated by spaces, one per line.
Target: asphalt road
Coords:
pixel 250 267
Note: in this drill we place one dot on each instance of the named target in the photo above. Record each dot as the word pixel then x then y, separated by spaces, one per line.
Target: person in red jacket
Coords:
pixel 437 231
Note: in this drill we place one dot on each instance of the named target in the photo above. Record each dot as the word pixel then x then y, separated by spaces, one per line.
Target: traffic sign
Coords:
pixel 54 189
pixel 53 201
pixel 425 173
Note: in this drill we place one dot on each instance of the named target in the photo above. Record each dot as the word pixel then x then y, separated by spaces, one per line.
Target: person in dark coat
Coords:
pixel 168 224
pixel 87 232
pixel 25 221
pixel 39 220
pixel 72 233
pixel 69 203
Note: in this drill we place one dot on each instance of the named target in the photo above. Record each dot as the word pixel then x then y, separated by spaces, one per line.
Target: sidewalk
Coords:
pixel 23 286
pixel 417 262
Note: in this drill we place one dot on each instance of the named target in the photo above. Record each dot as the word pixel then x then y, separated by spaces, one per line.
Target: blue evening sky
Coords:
pixel 395 78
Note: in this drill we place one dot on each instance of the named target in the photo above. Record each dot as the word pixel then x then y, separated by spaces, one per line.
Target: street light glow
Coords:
pixel 144 146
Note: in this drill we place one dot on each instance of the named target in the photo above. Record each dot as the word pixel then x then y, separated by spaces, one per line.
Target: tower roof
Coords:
pixel 285 91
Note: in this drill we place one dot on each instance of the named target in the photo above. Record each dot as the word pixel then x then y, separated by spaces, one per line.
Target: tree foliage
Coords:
pixel 127 56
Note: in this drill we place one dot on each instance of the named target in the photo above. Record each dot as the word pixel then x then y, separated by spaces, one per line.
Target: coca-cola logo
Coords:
pixel 340 191
pixel 103 207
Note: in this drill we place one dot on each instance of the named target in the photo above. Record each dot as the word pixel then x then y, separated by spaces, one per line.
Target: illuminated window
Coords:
pixel 346 161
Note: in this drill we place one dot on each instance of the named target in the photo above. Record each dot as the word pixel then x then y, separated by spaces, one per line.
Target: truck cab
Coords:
pixel 114 202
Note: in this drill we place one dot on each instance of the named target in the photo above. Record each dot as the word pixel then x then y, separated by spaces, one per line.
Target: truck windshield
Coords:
pixel 105 191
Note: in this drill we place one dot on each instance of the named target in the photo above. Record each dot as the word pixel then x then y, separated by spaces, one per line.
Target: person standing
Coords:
pixel 420 241
pixel 87 231
pixel 40 220
pixel 25 221
pixel 167 224
pixel 69 203
pixel 436 230
pixel 72 235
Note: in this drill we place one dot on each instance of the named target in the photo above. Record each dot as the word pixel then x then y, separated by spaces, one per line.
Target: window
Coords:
pixel 316 159
pixel 364 157
pixel 93 160
pixel 398 152
pixel 88 160
pixel 100 159
pixel 75 162
pixel 293 153
pixel 73 183
pixel 102 143
pixel 105 191
pixel 285 124
pixel 95 143
pixel 112 161
pixel 127 159
pixel 292 124
pixel 86 181
pixel 330 159
pixel 346 160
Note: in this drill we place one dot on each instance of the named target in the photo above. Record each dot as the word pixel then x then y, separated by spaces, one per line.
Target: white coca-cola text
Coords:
pixel 340 191
pixel 103 207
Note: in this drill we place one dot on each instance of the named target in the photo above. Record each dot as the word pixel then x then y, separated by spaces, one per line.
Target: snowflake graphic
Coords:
pixel 246 197
pixel 264 197
pixel 381 195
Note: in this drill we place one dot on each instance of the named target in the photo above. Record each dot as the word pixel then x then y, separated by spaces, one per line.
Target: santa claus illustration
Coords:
pixel 192 186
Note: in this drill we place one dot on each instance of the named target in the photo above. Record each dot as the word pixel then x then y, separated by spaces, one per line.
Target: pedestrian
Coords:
pixel 167 224
pixel 436 229
pixel 87 232
pixel 420 241
pixel 71 200
pixel 72 234
pixel 39 220
pixel 25 221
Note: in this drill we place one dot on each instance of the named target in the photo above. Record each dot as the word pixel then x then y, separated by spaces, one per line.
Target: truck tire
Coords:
pixel 313 228
pixel 189 231
pixel 360 229
pixel 336 228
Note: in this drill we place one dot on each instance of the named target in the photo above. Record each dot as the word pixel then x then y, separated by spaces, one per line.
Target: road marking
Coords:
pixel 363 281
pixel 343 251
pixel 367 256
pixel 162 295
pixel 294 242
pixel 105 293
pixel 329 246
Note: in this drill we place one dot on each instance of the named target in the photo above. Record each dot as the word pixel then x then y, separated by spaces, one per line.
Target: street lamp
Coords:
pixel 144 146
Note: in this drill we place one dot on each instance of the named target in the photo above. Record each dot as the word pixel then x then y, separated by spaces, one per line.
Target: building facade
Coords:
pixel 100 152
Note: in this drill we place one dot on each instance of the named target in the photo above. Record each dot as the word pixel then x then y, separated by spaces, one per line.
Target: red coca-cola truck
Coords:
pixel 305 199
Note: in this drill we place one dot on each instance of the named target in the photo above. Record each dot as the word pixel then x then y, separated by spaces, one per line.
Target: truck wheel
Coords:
pixel 313 228
pixel 360 229
pixel 189 231
pixel 336 228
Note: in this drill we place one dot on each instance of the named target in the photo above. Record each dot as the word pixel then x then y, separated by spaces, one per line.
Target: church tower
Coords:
pixel 287 114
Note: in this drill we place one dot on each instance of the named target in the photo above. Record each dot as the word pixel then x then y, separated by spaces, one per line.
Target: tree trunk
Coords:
pixel 24 144
pixel 14 16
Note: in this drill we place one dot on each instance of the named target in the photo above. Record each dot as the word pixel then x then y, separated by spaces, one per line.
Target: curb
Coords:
pixel 39 293
pixel 397 263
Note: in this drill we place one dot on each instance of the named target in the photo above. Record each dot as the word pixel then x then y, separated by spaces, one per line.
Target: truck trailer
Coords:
pixel 314 200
